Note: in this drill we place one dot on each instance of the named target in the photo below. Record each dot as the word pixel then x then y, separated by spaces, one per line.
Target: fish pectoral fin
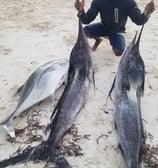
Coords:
pixel 19 91
pixel 109 94
pixel 9 127
pixel 65 80
pixel 94 81
pixel 119 147
pixel 52 97
pixel 61 162
pixel 56 109
pixel 39 103
pixel 142 151
pixel 54 112
pixel 115 126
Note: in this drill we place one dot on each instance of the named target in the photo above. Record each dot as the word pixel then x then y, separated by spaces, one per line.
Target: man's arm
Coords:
pixel 90 15
pixel 135 14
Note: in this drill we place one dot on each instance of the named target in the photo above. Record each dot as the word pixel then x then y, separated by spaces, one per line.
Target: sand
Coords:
pixel 33 32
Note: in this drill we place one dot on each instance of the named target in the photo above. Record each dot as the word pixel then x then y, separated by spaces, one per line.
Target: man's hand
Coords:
pixel 149 8
pixel 79 5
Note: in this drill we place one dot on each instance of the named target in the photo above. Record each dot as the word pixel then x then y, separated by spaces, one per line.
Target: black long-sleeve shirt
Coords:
pixel 114 14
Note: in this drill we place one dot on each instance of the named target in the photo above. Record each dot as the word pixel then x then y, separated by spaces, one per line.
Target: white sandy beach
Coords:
pixel 33 32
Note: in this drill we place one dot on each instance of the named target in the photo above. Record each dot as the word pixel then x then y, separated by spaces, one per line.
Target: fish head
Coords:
pixel 133 48
pixel 80 57
pixel 81 47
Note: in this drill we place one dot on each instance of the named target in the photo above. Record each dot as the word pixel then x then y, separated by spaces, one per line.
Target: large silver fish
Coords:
pixel 129 87
pixel 41 84
pixel 71 102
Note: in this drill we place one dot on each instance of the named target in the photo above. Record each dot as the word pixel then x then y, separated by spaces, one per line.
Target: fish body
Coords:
pixel 40 85
pixel 129 87
pixel 74 96
pixel 129 127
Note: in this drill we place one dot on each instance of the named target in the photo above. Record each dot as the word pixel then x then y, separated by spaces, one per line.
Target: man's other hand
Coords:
pixel 79 5
pixel 150 7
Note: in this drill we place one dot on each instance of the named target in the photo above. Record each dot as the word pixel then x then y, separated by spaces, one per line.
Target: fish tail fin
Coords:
pixel 9 127
pixel 34 153
pixel 21 158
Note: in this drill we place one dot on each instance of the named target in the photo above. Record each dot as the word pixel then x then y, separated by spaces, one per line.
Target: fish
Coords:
pixel 128 87
pixel 41 84
pixel 80 76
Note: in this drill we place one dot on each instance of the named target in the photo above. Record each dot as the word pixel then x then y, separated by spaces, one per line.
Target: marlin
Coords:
pixel 80 75
pixel 41 84
pixel 129 87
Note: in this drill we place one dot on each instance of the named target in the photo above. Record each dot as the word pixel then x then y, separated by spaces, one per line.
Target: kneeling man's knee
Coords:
pixel 117 52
